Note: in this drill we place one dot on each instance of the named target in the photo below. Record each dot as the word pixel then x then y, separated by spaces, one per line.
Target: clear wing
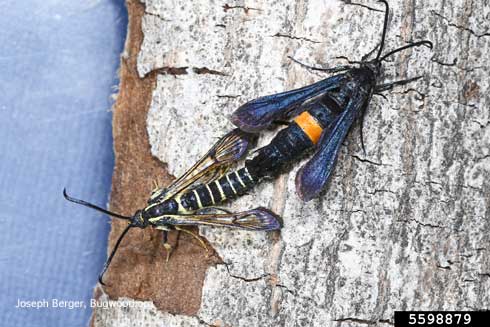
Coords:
pixel 255 219
pixel 229 149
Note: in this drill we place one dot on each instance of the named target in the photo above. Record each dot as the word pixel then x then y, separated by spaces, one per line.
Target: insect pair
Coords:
pixel 318 116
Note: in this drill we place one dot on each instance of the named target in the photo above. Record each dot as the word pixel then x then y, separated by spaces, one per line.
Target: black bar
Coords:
pixel 441 318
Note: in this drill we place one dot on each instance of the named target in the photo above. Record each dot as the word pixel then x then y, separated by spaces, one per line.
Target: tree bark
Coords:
pixel 404 226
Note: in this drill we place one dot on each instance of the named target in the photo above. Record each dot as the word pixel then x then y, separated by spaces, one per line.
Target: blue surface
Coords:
pixel 58 69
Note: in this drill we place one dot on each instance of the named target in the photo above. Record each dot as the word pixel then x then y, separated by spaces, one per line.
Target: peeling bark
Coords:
pixel 404 226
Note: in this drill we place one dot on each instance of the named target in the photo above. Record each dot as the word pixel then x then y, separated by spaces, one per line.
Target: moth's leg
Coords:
pixel 156 186
pixel 322 69
pixel 197 237
pixel 168 247
pixel 389 86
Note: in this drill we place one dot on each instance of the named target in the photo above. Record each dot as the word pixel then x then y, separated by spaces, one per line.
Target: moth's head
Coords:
pixel 139 219
pixel 375 67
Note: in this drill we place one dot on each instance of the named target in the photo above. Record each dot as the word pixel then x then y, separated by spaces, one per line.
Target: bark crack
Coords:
pixel 469 187
pixel 227 7
pixel 381 191
pixel 242 278
pixel 158 16
pixel 292 37
pixel 228 96
pixel 351 211
pixel 287 289
pixel 427 183
pixel 364 160
pixel 423 224
pixel 482 158
pixel 348 2
pixel 205 70
pixel 470 105
pixel 482 125
pixel 447 64
pixel 169 70
pixel 364 321
pixel 422 95
pixel 460 27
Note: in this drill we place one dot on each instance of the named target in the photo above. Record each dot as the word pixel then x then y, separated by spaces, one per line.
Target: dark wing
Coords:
pixel 313 176
pixel 255 219
pixel 229 149
pixel 258 114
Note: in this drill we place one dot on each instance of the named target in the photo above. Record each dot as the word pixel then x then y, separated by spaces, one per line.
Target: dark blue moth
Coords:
pixel 344 98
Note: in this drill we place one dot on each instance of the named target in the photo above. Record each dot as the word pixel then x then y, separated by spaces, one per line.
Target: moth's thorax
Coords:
pixel 365 75
pixel 159 209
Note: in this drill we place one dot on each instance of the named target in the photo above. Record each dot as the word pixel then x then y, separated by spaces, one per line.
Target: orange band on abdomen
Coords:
pixel 310 126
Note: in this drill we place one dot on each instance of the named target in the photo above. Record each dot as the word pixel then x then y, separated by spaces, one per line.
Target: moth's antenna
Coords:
pixel 93 206
pixel 385 27
pixel 108 262
pixel 411 45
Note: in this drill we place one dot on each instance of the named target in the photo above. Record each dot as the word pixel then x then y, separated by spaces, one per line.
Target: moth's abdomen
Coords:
pixel 272 159
pixel 302 134
pixel 309 126
pixel 229 186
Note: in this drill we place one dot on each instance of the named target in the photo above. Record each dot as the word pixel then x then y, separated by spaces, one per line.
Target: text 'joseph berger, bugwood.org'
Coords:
pixel 80 304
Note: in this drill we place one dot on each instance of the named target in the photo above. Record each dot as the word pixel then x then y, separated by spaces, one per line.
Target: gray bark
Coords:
pixel 405 226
